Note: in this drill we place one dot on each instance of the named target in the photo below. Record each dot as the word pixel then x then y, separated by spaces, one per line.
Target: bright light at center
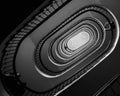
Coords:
pixel 78 40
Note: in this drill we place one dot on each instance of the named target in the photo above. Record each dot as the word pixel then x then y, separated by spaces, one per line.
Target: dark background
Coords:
pixel 15 11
